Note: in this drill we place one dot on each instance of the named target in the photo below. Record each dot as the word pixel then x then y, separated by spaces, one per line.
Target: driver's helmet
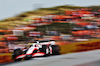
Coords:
pixel 30 45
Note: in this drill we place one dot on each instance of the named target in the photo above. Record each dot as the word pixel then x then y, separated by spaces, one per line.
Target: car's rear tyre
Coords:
pixel 55 50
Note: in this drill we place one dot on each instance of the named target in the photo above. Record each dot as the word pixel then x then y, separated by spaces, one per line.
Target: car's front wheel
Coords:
pixel 16 53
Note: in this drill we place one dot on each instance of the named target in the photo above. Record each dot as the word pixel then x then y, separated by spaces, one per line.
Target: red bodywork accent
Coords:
pixel 41 54
pixel 19 56
pixel 33 54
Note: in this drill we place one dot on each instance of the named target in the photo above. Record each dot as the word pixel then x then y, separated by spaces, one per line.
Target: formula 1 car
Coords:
pixel 38 48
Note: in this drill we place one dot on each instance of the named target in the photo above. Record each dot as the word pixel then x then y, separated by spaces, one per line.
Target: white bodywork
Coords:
pixel 38 45
pixel 45 43
pixel 31 49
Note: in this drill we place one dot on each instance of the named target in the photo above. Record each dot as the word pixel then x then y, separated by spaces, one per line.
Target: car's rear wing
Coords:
pixel 45 42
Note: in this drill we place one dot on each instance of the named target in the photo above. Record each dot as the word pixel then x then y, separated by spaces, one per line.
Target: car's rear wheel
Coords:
pixel 55 50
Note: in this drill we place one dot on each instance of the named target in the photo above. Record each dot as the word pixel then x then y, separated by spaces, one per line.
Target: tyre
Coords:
pixel 16 53
pixel 55 50
pixel 45 50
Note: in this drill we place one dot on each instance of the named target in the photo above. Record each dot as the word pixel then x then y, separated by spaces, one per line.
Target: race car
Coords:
pixel 37 49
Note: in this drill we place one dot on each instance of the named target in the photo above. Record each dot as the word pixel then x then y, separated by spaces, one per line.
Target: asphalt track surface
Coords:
pixel 88 58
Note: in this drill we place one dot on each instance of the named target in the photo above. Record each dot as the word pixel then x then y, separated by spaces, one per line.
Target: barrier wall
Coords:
pixel 81 46
pixel 5 58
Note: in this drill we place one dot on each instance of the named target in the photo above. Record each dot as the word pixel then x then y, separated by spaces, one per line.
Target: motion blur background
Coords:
pixel 10 8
